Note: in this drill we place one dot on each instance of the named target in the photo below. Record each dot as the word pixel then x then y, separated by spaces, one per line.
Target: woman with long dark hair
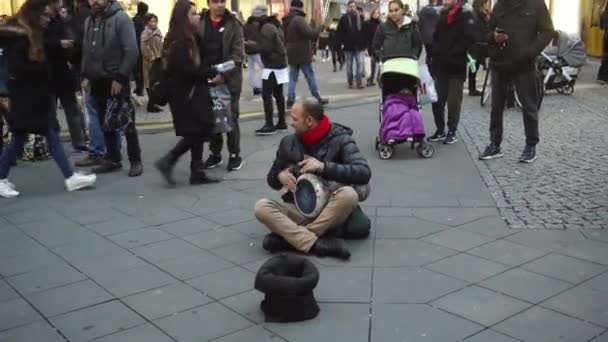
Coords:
pixel 31 94
pixel 189 97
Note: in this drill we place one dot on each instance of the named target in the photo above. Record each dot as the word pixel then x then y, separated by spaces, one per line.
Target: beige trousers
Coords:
pixel 301 233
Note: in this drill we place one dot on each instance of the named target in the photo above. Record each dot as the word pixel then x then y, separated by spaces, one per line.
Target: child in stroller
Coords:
pixel 400 117
pixel 561 61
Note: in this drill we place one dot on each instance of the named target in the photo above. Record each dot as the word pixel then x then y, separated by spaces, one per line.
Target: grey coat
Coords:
pixel 109 47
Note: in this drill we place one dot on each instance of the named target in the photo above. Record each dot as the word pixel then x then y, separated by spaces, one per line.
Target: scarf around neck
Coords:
pixel 316 134
pixel 452 13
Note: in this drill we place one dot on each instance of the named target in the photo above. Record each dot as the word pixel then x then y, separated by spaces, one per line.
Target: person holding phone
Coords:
pixel 518 32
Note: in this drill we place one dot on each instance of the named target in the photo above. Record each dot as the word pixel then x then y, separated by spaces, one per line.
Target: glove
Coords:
pixel 472 64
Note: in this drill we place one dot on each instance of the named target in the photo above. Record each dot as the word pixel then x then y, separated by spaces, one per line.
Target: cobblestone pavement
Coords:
pixel 567 187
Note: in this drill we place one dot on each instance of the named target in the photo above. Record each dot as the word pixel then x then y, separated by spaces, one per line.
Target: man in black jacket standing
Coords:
pixel 222 37
pixel 351 36
pixel 518 32
pixel 452 38
pixel 139 22
pixel 327 150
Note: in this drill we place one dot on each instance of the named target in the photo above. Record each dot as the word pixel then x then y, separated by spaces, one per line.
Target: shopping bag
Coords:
pixel 426 92
pixel 119 114
pixel 367 65
pixel 222 111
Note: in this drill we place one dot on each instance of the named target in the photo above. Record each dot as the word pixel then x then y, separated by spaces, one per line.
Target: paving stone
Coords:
pixel 335 322
pixel 585 303
pixel 542 325
pixel 599 283
pixel 68 298
pixel 457 240
pixel 93 215
pixel 405 228
pixel 415 322
pixel 454 216
pixel 599 235
pixel 525 285
pixel 252 229
pixel 247 304
pixel 189 226
pixel 242 252
pixel 467 267
pixel 394 253
pixel 164 215
pixel 109 263
pixel 489 335
pixel 166 301
pixel 96 321
pixel 564 268
pixel 45 279
pixel 168 249
pixel 550 240
pixel 253 334
pixel 6 292
pixel 230 217
pixel 27 216
pixel 215 238
pixel 394 211
pixel 139 237
pixel 480 305
pixel 194 265
pixel 224 283
pixel 39 331
pixel 16 312
pixel 138 279
pixel 27 261
pixel 142 333
pixel 91 248
pixel 117 225
pixel 421 285
pixel 203 323
pixel 361 255
pixel 349 285
pixel 56 232
pixel 602 338
pixel 507 253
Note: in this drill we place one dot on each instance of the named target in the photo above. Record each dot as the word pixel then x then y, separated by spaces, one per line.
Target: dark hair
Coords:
pixel 29 18
pixel 149 17
pixel 351 2
pixel 398 3
pixel 312 107
pixel 179 25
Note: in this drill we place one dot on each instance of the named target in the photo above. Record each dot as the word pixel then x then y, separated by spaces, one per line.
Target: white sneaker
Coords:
pixel 7 189
pixel 79 181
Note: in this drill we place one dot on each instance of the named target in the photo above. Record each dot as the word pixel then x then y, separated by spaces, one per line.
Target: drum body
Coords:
pixel 311 195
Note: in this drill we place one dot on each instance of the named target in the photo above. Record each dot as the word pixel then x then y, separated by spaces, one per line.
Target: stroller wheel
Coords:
pixel 386 151
pixel 425 150
pixel 568 89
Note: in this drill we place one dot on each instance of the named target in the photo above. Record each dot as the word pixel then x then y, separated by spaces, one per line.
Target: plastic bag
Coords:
pixel 221 106
pixel 367 65
pixel 426 93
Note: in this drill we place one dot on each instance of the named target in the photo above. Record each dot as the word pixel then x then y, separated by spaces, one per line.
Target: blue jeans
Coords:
pixel 309 74
pixel 357 58
pixel 55 148
pixel 97 145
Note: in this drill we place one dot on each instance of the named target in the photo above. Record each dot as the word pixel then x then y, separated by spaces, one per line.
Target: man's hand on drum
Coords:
pixel 311 165
pixel 288 180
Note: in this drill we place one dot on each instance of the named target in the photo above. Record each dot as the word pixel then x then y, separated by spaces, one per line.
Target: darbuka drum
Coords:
pixel 311 195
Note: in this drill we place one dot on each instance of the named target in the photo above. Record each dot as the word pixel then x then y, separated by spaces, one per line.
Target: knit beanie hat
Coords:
pixel 287 282
pixel 259 11
pixel 297 3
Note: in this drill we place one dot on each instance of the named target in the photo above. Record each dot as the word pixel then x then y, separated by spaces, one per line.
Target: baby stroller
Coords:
pixel 560 63
pixel 400 117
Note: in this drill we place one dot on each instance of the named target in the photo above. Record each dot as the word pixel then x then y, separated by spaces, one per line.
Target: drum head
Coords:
pixel 306 197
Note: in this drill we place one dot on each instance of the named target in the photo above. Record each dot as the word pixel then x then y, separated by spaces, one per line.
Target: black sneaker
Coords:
pixel 266 130
pixel 275 243
pixel 281 126
pixel 474 92
pixel 235 162
pixel 213 161
pixel 491 152
pixel 323 101
pixel 107 167
pixel 528 155
pixel 330 247
pixel 438 136
pixel 290 103
pixel 450 138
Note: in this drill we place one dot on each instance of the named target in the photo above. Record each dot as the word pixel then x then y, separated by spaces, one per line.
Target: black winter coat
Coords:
pixel 344 163
pixel 392 41
pixel 299 36
pixel 64 79
pixel 530 29
pixel 349 35
pixel 370 28
pixel 189 97
pixel 451 42
pixel 29 85
pixel 251 33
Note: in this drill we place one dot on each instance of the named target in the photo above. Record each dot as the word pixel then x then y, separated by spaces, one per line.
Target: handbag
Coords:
pixel 222 108
pixel 427 93
pixel 159 90
pixel 119 114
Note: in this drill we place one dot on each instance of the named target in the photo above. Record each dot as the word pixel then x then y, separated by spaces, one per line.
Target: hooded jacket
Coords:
pixel 270 42
pixel 299 36
pixel 344 163
pixel 530 29
pixel 427 21
pixel 109 49
pixel 391 41
pixel 451 42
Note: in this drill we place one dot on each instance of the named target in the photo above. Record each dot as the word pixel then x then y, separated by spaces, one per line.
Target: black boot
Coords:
pixel 330 247
pixel 198 175
pixel 275 243
pixel 165 166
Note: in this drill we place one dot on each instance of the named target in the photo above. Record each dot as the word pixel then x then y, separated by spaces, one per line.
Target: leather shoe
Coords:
pixel 136 169
pixel 330 247
pixel 275 243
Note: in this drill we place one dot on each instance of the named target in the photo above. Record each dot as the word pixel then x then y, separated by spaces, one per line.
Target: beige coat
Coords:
pixel 151 49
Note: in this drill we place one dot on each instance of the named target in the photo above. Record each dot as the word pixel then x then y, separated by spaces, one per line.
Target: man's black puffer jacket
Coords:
pixel 344 163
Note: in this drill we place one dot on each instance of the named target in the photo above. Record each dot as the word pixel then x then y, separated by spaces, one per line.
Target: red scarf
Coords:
pixel 452 13
pixel 316 134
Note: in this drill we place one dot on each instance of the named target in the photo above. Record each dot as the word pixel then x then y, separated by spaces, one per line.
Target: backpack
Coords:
pixel 4 76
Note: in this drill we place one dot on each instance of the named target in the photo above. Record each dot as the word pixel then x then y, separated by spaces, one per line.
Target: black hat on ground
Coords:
pixel 288 282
